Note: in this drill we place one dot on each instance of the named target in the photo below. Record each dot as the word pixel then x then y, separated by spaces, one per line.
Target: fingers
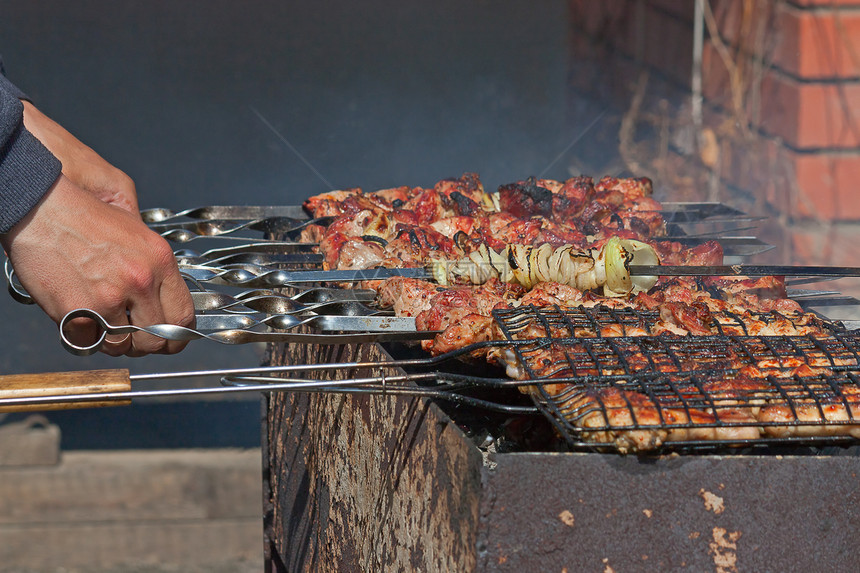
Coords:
pixel 143 310
pixel 158 295
pixel 178 307
pixel 117 344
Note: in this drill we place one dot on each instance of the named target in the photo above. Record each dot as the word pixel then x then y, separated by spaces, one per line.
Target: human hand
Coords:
pixel 81 165
pixel 75 251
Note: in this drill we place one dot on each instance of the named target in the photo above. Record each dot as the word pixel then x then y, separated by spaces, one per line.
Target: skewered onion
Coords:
pixel 490 202
pixel 619 255
pixel 525 265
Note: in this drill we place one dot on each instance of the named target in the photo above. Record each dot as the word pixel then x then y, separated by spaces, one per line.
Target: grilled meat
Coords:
pixel 696 312
pixel 754 358
pixel 407 296
pixel 619 204
pixel 773 383
pixel 458 210
pixel 832 416
pixel 733 409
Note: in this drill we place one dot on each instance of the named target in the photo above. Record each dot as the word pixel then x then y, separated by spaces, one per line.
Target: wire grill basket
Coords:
pixel 640 393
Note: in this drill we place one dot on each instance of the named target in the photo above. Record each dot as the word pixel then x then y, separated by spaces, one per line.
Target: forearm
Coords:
pixel 27 168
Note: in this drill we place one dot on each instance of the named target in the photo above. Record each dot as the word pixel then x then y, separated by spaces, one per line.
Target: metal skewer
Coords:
pixel 743 270
pixel 243 329
pixel 672 212
pixel 271 302
pixel 184 231
pixel 249 275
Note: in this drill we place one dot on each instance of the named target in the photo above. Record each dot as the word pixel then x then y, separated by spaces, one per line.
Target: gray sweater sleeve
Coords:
pixel 27 168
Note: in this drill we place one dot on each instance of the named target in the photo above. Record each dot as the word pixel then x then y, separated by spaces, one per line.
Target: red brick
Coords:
pixel 811 115
pixel 807 44
pixel 827 185
pixel 596 68
pixel 667 44
pixel 716 85
pixel 742 24
pixel 758 167
pixel 604 45
pixel 601 21
pixel 819 186
pixel 813 45
pixel 807 247
pixel 801 185
pixel 806 115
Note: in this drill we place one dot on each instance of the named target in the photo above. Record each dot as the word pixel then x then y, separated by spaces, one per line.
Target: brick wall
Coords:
pixel 780 133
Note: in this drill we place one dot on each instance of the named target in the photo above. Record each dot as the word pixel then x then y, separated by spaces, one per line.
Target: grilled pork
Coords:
pixel 514 228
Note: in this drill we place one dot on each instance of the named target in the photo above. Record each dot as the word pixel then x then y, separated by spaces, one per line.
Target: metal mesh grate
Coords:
pixel 580 322
pixel 641 356
pixel 637 393
pixel 691 410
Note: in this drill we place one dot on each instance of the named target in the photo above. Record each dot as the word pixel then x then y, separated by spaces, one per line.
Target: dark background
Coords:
pixel 201 102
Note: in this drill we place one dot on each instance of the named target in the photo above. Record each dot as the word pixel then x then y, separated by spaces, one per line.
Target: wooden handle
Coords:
pixel 63 384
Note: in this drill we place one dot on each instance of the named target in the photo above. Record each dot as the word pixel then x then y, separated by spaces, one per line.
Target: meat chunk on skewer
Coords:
pixel 464 315
pixel 407 296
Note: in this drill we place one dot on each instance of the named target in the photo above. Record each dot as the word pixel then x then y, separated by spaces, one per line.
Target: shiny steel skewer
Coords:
pixel 183 232
pixel 243 329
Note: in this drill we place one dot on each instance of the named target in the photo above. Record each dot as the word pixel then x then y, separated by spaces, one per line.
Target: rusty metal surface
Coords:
pixel 367 482
pixel 597 512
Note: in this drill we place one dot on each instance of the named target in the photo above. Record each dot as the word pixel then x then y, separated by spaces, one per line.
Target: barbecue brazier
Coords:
pixel 370 482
